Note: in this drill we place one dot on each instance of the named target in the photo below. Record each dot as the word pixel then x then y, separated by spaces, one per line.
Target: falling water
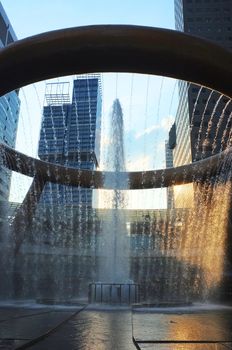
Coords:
pixel 114 266
pixel 177 254
pixel 57 247
pixel 204 232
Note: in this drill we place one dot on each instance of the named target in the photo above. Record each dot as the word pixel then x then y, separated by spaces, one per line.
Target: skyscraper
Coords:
pixel 70 134
pixel 9 107
pixel 203 116
pixel 169 145
pixel 199 132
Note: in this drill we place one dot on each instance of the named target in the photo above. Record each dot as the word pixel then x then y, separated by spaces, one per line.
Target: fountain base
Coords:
pixel 114 293
pixel 164 304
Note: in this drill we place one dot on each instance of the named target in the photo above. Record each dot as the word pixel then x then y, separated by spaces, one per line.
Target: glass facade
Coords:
pixel 9 108
pixel 211 20
pixel 70 135
pixel 182 150
pixel 169 164
pixel 203 117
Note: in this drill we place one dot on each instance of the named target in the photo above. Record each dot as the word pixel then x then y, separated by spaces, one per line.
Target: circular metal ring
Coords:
pixel 121 48
pixel 44 171
pixel 108 48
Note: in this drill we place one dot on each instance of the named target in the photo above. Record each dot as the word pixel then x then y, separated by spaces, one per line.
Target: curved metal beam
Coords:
pixel 107 48
pixel 103 49
pixel 124 48
pixel 199 172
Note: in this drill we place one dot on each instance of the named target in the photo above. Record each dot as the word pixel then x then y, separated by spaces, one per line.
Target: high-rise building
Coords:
pixel 169 145
pixel 70 134
pixel 9 108
pixel 199 131
pixel 203 116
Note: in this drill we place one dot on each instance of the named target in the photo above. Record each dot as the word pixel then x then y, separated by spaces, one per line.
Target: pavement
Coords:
pixel 105 328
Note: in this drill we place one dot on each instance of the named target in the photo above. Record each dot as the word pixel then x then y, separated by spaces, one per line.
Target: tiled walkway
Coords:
pixel 101 329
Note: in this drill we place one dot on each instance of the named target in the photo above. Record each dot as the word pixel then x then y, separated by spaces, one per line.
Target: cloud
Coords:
pixel 165 124
pixel 141 163
pixel 161 146
pixel 147 131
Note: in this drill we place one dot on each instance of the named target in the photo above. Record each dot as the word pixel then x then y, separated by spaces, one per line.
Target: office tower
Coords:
pixel 70 134
pixel 169 145
pixel 203 117
pixel 199 133
pixel 9 108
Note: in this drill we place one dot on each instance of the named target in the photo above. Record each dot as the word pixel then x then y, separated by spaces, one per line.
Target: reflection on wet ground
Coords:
pixel 185 347
pixel 105 329
pixel 101 330
pixel 193 329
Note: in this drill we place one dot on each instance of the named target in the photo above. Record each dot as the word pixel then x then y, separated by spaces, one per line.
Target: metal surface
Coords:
pixel 114 293
pixel 106 48
pixel 197 172
pixel 121 48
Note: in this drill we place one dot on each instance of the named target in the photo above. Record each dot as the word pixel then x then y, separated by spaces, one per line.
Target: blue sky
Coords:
pixel 33 17
pixel 146 101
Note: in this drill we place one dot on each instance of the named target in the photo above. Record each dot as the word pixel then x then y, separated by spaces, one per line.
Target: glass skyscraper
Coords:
pixel 203 117
pixel 198 106
pixel 169 145
pixel 9 108
pixel 70 134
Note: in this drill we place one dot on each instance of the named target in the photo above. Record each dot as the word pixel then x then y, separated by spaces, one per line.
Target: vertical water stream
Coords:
pixel 114 245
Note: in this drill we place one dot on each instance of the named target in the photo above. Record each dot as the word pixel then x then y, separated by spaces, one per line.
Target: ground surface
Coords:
pixel 43 328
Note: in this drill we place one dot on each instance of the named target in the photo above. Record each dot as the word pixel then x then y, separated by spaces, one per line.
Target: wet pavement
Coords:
pixel 197 328
pixel 108 328
pixel 22 325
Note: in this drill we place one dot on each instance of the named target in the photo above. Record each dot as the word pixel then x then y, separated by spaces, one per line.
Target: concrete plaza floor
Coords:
pixel 94 327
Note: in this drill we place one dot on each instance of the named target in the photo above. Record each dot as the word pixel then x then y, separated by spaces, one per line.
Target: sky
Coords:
pixel 147 102
pixel 32 17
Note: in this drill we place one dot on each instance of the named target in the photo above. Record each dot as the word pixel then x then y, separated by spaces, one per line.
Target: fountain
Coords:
pixel 114 245
pixel 166 247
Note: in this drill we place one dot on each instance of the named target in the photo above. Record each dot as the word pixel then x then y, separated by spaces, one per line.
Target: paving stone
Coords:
pixel 112 329
pixel 31 327
pixel 183 347
pixel 93 329
pixel 214 326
